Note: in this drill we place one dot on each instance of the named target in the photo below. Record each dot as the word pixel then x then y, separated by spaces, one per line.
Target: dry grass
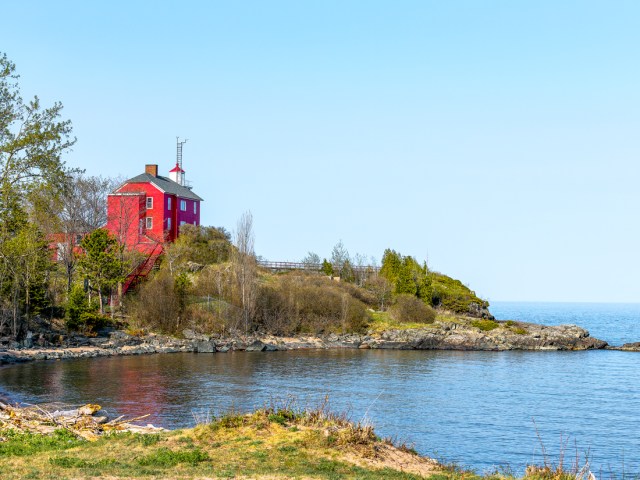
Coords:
pixel 278 441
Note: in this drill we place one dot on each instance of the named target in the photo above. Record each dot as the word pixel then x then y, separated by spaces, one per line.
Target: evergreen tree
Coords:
pixel 327 268
pixel 406 282
pixel 100 262
pixel 391 265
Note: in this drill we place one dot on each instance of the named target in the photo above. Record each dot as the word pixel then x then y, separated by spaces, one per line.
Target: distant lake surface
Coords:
pixel 479 409
pixel 616 323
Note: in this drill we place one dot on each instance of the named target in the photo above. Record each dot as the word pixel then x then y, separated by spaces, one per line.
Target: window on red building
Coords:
pixel 149 202
pixel 149 223
pixel 183 205
pixel 169 203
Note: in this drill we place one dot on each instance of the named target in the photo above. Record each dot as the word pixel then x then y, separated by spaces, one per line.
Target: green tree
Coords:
pixel 406 281
pixel 77 305
pixel 327 268
pixel 25 263
pixel 32 140
pixel 100 262
pixel 391 266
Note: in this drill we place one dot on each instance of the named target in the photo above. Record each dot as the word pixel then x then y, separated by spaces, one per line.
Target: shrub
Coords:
pixel 82 315
pixel 410 309
pixel 160 302
pixel 309 303
pixel 485 325
pixel 451 294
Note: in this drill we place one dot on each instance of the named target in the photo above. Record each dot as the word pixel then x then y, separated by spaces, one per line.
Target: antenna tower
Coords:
pixel 179 145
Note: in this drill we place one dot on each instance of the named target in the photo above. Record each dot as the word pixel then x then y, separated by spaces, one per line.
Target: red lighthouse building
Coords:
pixel 148 209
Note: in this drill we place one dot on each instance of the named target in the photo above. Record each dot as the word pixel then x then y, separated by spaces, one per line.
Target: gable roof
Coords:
pixel 164 184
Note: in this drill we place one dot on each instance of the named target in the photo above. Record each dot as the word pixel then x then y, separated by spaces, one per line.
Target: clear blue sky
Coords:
pixel 498 139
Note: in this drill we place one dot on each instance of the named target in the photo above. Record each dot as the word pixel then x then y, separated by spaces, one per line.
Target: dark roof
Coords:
pixel 166 185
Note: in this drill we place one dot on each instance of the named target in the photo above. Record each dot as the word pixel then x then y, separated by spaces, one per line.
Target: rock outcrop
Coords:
pixel 463 335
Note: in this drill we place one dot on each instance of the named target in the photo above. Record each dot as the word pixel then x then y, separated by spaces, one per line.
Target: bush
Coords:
pixel 311 304
pixel 451 294
pixel 82 315
pixel 160 302
pixel 410 309
pixel 485 325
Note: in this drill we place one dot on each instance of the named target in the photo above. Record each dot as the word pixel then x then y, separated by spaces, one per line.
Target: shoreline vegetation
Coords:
pixel 280 440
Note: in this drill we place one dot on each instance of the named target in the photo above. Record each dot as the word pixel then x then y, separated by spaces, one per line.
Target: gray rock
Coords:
pixel 189 334
pixel 202 346
pixel 256 346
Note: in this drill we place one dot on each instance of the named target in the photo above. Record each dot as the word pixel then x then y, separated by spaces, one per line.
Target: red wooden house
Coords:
pixel 148 209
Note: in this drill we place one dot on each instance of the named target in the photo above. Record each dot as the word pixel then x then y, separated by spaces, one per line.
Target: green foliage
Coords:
pixel 181 285
pixel 26 444
pixel 451 294
pixel 164 457
pixel 32 140
pixel 410 309
pixel 201 245
pixel 78 310
pixel 101 261
pixel 485 325
pixel 391 266
pixel 25 264
pixel 406 282
pixel 327 268
pixel 409 277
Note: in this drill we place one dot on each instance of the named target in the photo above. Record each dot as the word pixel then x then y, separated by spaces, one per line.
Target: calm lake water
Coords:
pixel 480 409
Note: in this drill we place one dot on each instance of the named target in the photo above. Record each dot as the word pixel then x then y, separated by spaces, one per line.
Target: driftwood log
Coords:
pixel 88 421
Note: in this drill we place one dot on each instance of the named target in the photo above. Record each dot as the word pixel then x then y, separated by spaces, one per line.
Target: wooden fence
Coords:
pixel 311 267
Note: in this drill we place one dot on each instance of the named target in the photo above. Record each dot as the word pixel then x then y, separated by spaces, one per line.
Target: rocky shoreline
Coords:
pixel 439 336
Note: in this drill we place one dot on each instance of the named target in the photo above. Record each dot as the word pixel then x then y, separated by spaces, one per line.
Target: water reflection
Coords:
pixel 475 408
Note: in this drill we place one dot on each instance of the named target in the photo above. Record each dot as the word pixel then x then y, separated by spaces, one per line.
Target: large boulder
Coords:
pixel 205 346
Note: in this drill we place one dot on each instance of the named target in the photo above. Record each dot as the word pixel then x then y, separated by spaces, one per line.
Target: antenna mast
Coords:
pixel 179 145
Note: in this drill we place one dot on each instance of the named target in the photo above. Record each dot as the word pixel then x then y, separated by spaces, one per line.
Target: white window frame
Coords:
pixel 149 223
pixel 149 203
pixel 169 224
pixel 183 205
pixel 169 203
pixel 182 222
pixel 195 208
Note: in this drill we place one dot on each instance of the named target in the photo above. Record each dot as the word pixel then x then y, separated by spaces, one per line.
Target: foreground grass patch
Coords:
pixel 273 443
